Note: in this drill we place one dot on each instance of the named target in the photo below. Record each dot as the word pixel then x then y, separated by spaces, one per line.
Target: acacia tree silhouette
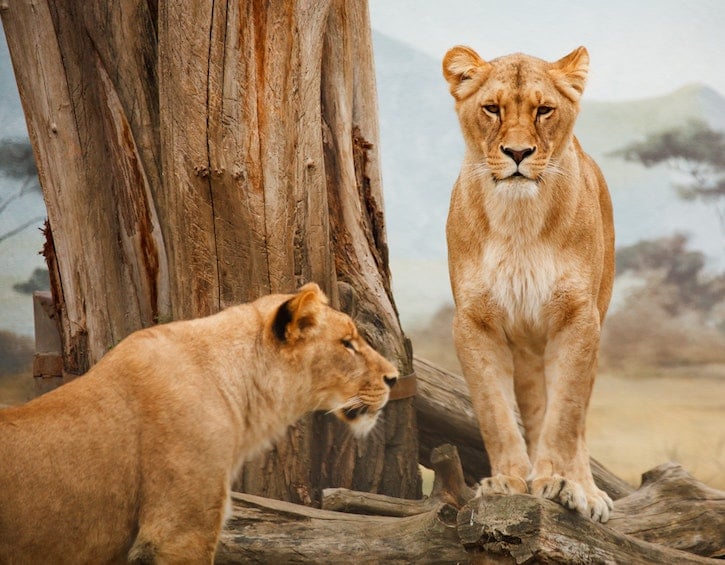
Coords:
pixel 695 150
pixel 17 162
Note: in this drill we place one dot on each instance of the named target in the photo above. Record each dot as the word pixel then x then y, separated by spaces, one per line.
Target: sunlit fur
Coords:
pixel 530 248
pixel 134 460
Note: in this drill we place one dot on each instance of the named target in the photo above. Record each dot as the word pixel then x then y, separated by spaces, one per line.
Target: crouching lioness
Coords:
pixel 531 258
pixel 134 460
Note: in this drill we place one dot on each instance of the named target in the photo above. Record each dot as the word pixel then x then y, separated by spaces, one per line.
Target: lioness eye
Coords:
pixel 348 344
pixel 492 108
pixel 544 110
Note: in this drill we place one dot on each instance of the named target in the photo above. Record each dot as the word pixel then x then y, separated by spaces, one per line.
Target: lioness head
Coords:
pixel 349 378
pixel 516 112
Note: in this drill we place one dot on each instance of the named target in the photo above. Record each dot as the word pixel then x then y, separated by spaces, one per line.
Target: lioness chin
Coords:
pixel 134 460
pixel 531 259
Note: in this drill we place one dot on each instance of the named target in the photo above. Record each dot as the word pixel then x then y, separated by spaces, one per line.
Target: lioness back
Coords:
pixel 531 259
pixel 134 460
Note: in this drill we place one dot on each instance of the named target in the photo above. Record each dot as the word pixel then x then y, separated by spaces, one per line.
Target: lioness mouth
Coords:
pixel 352 413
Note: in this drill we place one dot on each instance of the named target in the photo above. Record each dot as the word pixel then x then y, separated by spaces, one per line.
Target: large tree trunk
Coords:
pixel 195 155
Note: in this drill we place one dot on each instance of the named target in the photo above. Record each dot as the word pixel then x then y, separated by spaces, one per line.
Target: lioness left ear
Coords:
pixel 570 73
pixel 464 70
pixel 300 315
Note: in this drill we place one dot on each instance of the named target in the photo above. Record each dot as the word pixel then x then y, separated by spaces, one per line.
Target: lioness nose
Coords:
pixel 390 381
pixel 518 155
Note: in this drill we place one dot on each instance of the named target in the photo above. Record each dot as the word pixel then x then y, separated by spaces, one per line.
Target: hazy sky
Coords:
pixel 638 48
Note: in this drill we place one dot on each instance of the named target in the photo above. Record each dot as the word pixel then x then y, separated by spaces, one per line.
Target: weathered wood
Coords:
pixel 401 531
pixel 525 529
pixel 445 415
pixel 95 162
pixel 194 155
pixel 449 487
pixel 265 531
pixel 672 508
pixel 356 502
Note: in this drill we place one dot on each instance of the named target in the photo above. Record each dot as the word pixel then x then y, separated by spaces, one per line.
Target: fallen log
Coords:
pixel 525 529
pixel 670 519
pixel 445 415
pixel 683 517
pixel 268 531
pixel 449 487
pixel 674 509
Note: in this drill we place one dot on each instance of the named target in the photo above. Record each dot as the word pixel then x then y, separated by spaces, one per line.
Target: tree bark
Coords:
pixel 195 155
pixel 524 529
pixel 674 509
pixel 267 531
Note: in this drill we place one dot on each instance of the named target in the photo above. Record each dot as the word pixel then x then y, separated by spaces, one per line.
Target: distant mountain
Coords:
pixel 422 148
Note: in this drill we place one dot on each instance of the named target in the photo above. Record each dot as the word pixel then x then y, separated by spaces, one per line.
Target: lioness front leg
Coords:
pixel 183 528
pixel 561 469
pixel 488 367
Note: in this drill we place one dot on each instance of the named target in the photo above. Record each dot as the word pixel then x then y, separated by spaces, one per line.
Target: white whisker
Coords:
pixel 353 402
pixel 477 170
pixel 554 169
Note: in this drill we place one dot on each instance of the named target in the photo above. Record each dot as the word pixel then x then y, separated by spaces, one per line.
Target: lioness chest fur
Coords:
pixel 531 259
pixel 134 460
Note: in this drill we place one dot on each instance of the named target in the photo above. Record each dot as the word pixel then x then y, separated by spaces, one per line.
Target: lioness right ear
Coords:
pixel 464 70
pixel 570 73
pixel 299 316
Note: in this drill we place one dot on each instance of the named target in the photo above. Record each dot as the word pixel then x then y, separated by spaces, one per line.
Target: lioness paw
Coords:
pixel 501 484
pixel 600 506
pixel 569 494
pixel 592 503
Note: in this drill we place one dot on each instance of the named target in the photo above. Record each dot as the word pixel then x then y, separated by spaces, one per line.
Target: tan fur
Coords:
pixel 134 460
pixel 531 259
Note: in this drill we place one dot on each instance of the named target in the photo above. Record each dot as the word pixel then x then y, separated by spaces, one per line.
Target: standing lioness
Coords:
pixel 531 259
pixel 134 460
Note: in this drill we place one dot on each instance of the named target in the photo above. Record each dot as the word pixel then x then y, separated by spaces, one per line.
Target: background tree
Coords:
pixel 672 264
pixel 195 155
pixel 17 163
pixel 695 150
pixel 674 312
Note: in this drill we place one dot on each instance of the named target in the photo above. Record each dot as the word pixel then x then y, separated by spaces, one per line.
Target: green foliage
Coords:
pixel 695 142
pixel 39 280
pixel 676 267
pixel 17 160
pixel 695 149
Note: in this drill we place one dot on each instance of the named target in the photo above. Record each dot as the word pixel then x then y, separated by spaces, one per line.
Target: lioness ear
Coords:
pixel 570 73
pixel 300 315
pixel 464 69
